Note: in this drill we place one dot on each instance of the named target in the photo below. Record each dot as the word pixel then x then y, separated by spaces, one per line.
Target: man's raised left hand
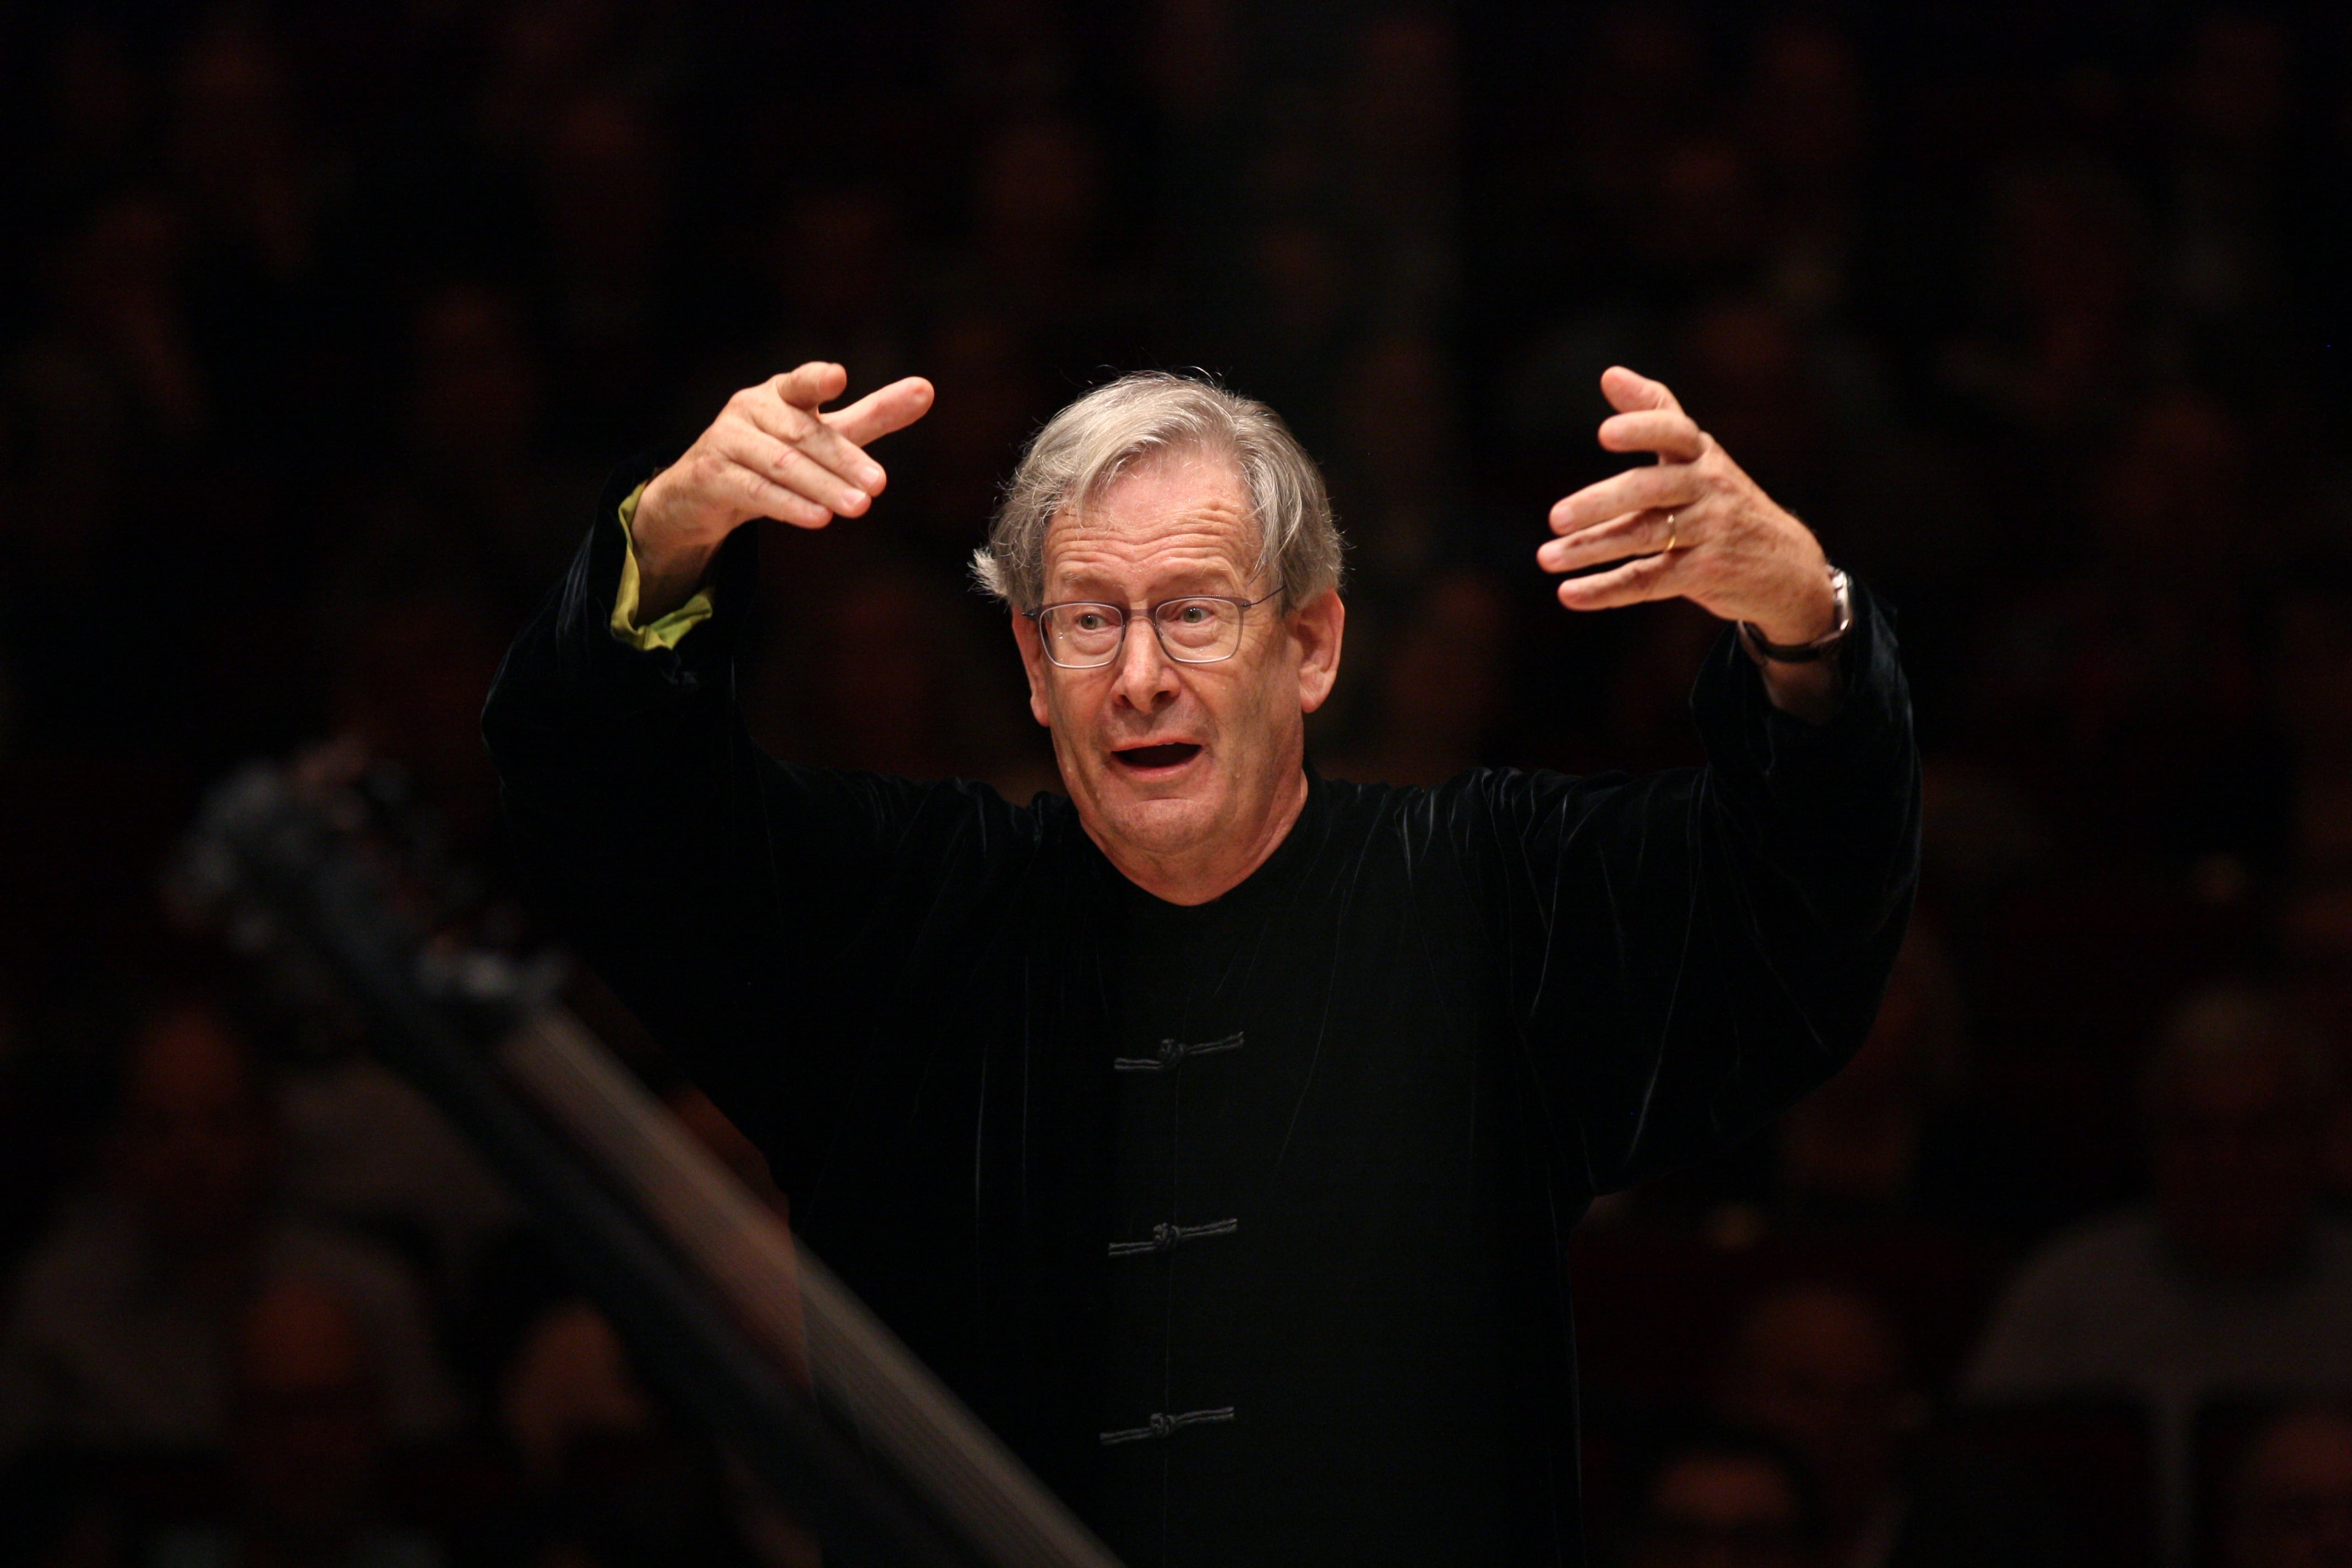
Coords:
pixel 1691 526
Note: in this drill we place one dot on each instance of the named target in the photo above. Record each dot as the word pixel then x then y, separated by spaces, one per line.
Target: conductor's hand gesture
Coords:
pixel 1694 526
pixel 772 452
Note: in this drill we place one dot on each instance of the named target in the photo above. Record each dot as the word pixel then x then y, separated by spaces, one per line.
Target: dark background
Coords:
pixel 321 325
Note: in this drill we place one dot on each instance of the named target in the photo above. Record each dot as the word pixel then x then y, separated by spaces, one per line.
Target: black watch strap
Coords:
pixel 1805 652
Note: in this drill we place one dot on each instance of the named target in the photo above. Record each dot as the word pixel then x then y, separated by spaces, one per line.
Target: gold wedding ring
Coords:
pixel 1672 532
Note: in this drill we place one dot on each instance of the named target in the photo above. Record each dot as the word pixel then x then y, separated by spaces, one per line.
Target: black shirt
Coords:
pixel 1245 1223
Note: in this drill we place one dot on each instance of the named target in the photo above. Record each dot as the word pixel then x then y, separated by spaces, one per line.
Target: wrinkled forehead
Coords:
pixel 1171 522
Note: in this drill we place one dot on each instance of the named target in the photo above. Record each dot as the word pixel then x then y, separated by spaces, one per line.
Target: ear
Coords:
pixel 1316 628
pixel 1033 661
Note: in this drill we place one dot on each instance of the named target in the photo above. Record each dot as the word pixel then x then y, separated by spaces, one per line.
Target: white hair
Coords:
pixel 1083 450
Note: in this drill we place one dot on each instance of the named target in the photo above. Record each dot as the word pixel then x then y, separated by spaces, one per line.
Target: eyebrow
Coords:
pixel 1216 582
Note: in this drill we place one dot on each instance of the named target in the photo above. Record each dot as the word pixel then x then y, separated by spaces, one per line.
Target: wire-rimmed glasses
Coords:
pixel 1198 628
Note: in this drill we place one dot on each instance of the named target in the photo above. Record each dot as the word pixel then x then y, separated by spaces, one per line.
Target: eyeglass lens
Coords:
pixel 1193 631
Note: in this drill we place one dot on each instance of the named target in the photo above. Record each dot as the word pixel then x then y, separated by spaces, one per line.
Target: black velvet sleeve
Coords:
pixel 743 908
pixel 1686 953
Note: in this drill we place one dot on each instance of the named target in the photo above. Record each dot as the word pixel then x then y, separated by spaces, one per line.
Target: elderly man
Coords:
pixel 1216 1130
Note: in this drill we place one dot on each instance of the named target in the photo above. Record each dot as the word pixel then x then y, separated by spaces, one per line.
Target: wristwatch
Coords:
pixel 1805 652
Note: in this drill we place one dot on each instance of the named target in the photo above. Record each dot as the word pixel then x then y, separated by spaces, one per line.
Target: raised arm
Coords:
pixel 739 904
pixel 1692 950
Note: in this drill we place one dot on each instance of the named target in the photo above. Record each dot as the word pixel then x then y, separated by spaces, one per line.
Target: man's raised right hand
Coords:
pixel 772 452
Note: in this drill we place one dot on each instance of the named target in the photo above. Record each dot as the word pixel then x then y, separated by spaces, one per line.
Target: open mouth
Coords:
pixel 1174 754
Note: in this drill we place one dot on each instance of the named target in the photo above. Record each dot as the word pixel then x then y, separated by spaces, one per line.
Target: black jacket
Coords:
pixel 1246 1224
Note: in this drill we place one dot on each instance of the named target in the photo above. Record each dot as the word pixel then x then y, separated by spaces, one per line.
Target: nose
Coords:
pixel 1146 677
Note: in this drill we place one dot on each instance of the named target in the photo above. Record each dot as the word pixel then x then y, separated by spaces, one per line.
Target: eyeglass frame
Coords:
pixel 1037 618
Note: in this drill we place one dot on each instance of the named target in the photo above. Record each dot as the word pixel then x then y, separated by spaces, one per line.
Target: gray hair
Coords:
pixel 1080 452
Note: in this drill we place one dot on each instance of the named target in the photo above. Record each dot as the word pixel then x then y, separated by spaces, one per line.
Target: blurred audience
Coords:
pixel 1816 1367
pixel 608 1482
pixel 1727 1500
pixel 120 1329
pixel 1820 1367
pixel 308 1434
pixel 600 173
pixel 364 1150
pixel 408 641
pixel 2290 1504
pixel 836 260
pixel 2230 1280
pixel 484 492
pixel 2125 692
pixel 1443 682
pixel 1856 1147
pixel 2065 274
pixel 570 1382
pixel 2310 668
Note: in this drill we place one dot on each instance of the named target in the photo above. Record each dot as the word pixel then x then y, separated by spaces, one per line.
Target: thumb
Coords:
pixel 812 384
pixel 1631 394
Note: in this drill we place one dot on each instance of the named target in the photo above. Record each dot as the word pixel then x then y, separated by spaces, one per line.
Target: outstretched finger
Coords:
pixel 814 434
pixel 788 464
pixel 1637 582
pixel 1662 487
pixel 809 386
pixel 1629 393
pixel 1671 434
pixel 769 414
pixel 763 496
pixel 1635 534
pixel 883 410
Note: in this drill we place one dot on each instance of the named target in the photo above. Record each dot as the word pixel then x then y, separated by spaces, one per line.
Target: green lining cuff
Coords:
pixel 666 631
